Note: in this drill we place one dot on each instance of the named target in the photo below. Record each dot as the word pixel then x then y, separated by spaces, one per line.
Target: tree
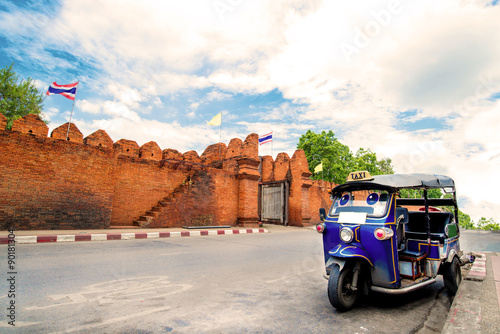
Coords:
pixel 337 159
pixel 465 221
pixel 417 193
pixel 367 160
pixel 488 224
pixel 18 99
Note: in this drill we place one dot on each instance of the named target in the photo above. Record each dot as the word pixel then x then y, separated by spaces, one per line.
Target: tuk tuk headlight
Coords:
pixel 346 234
pixel 383 233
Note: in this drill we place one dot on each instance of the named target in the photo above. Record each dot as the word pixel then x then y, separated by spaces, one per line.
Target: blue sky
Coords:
pixel 415 81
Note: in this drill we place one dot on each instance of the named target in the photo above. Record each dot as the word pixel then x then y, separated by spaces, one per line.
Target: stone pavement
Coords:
pixel 475 308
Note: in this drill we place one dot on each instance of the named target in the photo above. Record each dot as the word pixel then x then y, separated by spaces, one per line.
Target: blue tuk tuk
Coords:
pixel 375 240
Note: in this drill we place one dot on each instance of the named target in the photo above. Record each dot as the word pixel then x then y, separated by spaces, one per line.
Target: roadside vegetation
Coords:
pixel 337 159
pixel 18 98
pixel 333 162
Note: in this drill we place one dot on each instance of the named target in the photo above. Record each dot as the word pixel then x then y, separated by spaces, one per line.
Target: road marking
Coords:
pixel 112 321
pixel 118 291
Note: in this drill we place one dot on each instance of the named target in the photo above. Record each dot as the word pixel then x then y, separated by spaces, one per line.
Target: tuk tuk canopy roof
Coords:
pixel 400 181
pixel 415 181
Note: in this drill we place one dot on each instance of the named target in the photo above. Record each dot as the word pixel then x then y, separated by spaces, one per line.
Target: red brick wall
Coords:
pixel 83 183
pixel 31 124
pixel 53 184
pixel 61 132
pixel 226 198
pixel 209 199
pixel 139 185
pixel 248 181
pixel 267 168
pixel 99 138
pixel 3 122
pixel 319 197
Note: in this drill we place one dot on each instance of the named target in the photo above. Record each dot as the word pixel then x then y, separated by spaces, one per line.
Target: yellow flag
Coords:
pixel 318 168
pixel 216 120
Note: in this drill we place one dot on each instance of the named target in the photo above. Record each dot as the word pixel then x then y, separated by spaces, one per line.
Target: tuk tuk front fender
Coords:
pixel 334 261
pixel 453 253
pixel 349 251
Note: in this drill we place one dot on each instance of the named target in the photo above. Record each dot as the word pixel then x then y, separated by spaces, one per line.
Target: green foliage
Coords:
pixel 367 160
pixel 18 99
pixel 337 159
pixel 488 224
pixel 417 193
pixel 465 221
pixel 325 148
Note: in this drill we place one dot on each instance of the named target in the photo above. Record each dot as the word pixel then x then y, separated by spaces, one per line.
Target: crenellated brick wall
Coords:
pixel 70 182
pixel 48 183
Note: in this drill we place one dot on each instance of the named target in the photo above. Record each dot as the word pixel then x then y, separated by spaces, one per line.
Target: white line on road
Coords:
pixel 112 321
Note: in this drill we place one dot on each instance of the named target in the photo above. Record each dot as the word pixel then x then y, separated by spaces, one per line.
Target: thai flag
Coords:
pixel 266 138
pixel 68 91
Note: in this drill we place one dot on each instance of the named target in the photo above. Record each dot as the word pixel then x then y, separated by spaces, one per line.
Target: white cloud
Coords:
pixel 89 107
pixel 126 95
pixel 438 58
pixel 217 96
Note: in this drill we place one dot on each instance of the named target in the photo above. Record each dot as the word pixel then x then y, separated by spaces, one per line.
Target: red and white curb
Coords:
pixel 478 270
pixel 125 236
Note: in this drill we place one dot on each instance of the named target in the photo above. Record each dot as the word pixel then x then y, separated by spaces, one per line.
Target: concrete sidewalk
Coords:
pixel 476 307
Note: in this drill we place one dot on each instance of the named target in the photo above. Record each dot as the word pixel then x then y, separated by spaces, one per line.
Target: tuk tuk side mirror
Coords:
pixel 322 214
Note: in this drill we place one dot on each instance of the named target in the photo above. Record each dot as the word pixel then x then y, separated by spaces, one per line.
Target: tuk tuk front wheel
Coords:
pixel 452 275
pixel 340 290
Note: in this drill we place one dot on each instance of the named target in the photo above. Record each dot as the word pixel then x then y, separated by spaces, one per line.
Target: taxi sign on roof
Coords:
pixel 359 176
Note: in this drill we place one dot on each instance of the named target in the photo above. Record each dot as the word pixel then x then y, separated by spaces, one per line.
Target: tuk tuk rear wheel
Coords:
pixel 452 275
pixel 340 291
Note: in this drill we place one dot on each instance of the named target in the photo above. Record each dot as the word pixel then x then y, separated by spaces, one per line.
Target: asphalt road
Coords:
pixel 263 283
pixel 479 241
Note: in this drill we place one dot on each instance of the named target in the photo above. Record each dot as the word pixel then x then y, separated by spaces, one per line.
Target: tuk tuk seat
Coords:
pixel 417 226
pixel 412 254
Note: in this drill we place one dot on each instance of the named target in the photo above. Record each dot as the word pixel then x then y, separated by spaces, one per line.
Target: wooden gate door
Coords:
pixel 274 202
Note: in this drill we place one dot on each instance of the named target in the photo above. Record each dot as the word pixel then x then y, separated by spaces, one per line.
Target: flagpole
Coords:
pixel 220 135
pixel 71 115
pixel 272 145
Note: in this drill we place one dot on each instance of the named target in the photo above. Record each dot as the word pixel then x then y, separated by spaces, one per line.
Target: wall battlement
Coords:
pixel 66 181
pixel 33 125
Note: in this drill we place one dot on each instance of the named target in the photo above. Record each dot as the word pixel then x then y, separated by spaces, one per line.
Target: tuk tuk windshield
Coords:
pixel 373 202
